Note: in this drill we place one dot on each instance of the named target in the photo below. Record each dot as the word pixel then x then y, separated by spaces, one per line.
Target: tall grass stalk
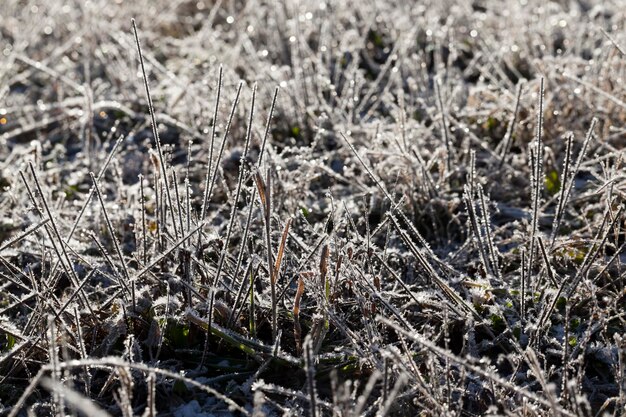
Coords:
pixel 155 130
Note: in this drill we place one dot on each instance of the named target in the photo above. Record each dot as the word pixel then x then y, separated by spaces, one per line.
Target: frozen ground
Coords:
pixel 351 207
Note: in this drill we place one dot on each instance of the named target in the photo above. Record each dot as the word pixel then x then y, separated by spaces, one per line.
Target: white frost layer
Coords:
pixel 192 409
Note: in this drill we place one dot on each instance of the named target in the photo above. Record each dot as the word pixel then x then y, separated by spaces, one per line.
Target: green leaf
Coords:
pixel 177 334
pixel 327 290
pixel 553 184
pixel 71 191
pixel 572 341
pixel 491 123
pixel 497 322
pixel 377 40
pixel 10 342
pixel 578 256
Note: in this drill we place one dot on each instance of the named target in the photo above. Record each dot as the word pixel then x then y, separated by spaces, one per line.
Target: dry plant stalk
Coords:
pixel 297 329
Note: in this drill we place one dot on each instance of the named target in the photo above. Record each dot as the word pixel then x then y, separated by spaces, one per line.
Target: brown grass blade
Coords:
pixel 281 251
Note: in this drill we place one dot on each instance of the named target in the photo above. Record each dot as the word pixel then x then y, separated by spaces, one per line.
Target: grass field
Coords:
pixel 347 208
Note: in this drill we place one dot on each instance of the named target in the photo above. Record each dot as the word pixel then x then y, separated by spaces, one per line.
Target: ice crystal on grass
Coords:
pixel 310 208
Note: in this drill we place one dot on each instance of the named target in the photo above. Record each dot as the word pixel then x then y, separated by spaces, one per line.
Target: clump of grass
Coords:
pixel 427 220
